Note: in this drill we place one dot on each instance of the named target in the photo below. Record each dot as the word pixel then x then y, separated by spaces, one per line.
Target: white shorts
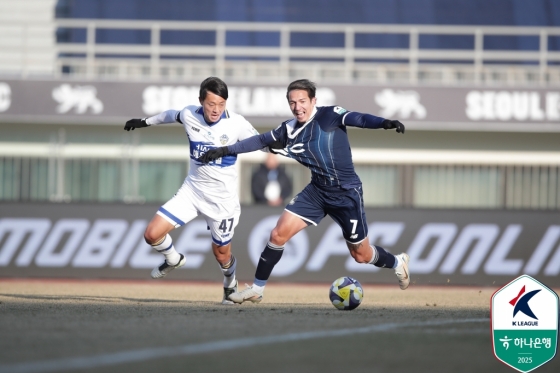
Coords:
pixel 221 216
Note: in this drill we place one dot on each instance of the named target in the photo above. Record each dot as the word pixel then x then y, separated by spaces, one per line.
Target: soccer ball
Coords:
pixel 346 293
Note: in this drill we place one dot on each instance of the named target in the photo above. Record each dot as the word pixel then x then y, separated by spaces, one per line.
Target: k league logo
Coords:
pixel 521 303
pixel 524 324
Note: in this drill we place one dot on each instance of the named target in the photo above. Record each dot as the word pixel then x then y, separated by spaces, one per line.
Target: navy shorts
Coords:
pixel 345 207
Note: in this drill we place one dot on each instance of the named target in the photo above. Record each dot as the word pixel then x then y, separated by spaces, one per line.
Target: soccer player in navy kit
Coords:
pixel 317 139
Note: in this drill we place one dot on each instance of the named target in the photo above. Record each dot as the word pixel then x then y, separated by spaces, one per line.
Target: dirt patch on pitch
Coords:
pixel 49 320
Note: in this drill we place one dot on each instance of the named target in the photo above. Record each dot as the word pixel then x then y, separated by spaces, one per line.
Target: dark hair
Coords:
pixel 304 85
pixel 214 85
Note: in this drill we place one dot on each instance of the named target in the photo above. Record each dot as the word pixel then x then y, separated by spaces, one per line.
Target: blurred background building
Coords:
pixel 477 83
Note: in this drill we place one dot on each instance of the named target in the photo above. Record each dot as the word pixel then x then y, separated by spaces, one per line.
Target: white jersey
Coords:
pixel 217 180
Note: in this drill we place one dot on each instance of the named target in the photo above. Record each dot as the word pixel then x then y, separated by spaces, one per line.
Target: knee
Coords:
pixel 360 253
pixel 277 238
pixel 222 258
pixel 359 257
pixel 151 235
pixel 222 254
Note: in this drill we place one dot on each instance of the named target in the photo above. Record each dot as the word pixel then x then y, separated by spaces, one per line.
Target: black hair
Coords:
pixel 304 85
pixel 214 85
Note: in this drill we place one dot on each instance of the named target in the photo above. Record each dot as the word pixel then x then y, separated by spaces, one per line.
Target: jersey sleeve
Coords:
pixel 168 116
pixel 280 134
pixel 355 119
pixel 247 130
pixel 332 116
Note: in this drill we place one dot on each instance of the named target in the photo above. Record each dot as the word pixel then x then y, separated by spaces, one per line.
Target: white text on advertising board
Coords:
pixel 248 101
pixel 436 248
pixel 513 105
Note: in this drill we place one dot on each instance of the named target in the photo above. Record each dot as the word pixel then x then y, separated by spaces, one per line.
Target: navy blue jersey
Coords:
pixel 321 145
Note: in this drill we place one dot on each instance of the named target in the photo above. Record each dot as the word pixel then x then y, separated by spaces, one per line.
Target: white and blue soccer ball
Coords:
pixel 346 293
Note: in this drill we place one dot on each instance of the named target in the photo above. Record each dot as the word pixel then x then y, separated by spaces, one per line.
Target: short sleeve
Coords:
pixel 247 129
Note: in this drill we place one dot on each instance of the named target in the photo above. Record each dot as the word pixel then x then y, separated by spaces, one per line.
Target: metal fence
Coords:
pixel 143 173
pixel 404 55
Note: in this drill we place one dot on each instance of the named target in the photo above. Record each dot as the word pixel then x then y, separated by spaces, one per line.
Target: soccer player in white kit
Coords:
pixel 209 189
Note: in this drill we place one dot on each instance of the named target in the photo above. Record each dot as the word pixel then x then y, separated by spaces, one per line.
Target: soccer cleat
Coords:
pixel 248 294
pixel 228 292
pixel 402 271
pixel 165 268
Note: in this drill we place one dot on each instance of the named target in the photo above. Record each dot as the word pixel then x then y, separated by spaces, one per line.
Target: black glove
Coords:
pixel 213 154
pixel 390 124
pixel 135 123
pixel 277 144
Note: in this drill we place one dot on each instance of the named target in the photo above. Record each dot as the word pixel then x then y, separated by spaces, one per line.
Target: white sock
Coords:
pixel 168 250
pixel 257 288
pixel 398 261
pixel 228 271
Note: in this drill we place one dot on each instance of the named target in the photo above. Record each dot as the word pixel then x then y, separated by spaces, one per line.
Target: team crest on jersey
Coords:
pixel 339 110
pixel 224 139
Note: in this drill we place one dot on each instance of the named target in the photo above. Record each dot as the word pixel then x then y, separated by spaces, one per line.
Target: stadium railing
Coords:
pixel 416 62
pixel 380 64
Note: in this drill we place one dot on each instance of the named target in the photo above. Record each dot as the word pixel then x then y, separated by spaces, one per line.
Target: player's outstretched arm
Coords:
pixel 135 123
pixel 246 146
pixel 356 119
pixel 168 116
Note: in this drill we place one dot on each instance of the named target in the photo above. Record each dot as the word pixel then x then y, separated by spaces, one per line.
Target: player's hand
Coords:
pixel 277 144
pixel 135 123
pixel 213 154
pixel 390 124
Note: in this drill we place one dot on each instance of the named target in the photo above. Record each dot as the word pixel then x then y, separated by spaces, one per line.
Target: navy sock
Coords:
pixel 384 258
pixel 269 257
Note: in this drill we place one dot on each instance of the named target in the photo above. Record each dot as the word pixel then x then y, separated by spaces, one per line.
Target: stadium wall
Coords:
pixel 447 247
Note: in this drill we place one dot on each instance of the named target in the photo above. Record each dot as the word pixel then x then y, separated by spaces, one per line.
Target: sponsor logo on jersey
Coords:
pixel 224 139
pixel 339 110
pixel 195 129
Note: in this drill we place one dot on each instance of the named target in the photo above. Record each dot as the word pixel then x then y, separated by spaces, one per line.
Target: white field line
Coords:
pixel 193 349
